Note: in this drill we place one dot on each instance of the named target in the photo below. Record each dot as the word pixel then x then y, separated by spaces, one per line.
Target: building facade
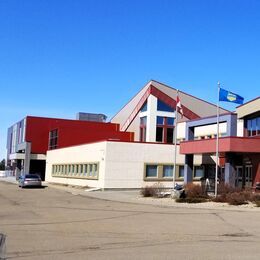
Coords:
pixel 137 149
pixel 29 140
pixel 151 116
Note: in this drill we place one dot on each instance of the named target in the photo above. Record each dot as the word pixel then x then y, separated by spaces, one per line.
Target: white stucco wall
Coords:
pixel 181 130
pixel 210 130
pixel 240 127
pixel 121 164
pixel 88 153
pixel 125 162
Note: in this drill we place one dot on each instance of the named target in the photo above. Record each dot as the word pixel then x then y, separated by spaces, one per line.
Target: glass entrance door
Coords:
pixel 248 176
pixel 239 177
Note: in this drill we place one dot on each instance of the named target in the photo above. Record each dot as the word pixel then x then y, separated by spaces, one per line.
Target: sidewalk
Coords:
pixel 10 179
pixel 133 196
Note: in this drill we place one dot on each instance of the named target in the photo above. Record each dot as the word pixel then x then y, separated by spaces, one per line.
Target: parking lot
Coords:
pixel 51 223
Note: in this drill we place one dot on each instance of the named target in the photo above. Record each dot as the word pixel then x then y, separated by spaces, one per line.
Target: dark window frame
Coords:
pixel 165 127
pixel 143 124
pixel 53 139
pixel 253 126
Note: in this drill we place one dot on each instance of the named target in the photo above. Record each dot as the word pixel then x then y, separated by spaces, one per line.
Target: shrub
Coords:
pixel 257 203
pixel 152 191
pixel 256 197
pixel 193 194
pixel 224 191
pixel 195 191
pixel 224 188
pixel 148 191
pixel 237 198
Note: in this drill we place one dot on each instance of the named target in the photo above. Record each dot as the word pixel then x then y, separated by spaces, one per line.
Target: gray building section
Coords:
pixel 15 136
pixel 231 120
pixel 18 150
pixel 91 117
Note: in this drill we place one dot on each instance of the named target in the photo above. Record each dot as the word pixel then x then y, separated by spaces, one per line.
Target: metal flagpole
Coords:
pixel 217 145
pixel 175 143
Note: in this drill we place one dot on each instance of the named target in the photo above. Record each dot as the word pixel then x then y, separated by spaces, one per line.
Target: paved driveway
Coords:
pixel 54 224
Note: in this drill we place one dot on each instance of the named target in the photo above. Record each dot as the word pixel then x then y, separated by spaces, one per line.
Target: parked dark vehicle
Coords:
pixel 30 180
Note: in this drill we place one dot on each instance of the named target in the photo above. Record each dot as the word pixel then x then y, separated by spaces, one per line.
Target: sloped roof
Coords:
pixel 193 107
pixel 252 107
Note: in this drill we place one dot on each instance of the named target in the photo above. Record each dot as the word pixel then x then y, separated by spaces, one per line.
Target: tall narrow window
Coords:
pixel 253 126
pixel 53 139
pixel 258 125
pixel 143 129
pixel 181 171
pixel 144 107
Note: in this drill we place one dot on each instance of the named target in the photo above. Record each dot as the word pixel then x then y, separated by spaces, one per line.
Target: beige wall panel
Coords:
pixel 240 127
pixel 125 163
pixel 88 153
pixel 135 127
pixel 121 165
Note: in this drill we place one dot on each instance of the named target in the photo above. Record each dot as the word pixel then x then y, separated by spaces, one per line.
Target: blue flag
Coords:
pixel 228 96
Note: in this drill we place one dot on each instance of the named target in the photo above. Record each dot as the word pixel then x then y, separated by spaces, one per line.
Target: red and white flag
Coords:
pixel 179 106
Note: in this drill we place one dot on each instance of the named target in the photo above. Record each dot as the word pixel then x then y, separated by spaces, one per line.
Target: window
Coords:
pixel 80 169
pixel 170 121
pixel 253 126
pixel 76 169
pixel 159 134
pixel 143 129
pixel 151 171
pixel 95 171
pixel 144 107
pixel 167 171
pixel 86 171
pixel 164 129
pixel 90 170
pixel 169 139
pixel 162 172
pixel 198 171
pixel 258 125
pixel 65 170
pixel 160 120
pixel 161 106
pixel 53 139
pixel 181 172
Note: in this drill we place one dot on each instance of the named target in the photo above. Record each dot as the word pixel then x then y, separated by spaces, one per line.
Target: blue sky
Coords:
pixel 59 57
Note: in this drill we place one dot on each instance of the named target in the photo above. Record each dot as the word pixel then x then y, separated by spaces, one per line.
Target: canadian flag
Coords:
pixel 179 106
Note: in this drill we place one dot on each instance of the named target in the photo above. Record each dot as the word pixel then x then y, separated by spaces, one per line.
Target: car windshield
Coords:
pixel 32 176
